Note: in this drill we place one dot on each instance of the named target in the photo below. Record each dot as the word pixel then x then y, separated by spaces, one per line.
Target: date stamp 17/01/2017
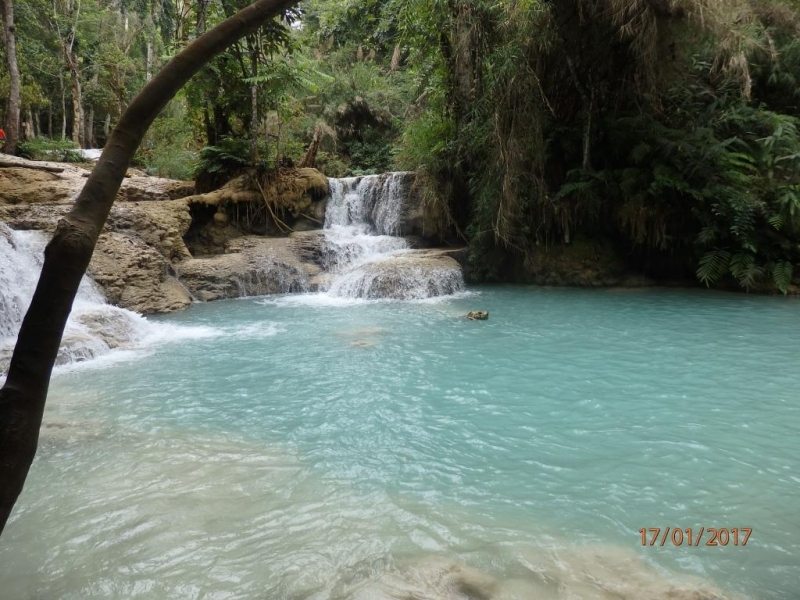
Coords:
pixel 706 536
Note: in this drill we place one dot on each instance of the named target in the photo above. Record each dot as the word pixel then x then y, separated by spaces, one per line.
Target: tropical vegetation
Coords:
pixel 668 129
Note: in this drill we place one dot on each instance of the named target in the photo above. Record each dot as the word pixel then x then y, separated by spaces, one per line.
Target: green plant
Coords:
pixel 169 149
pixel 46 149
pixel 219 164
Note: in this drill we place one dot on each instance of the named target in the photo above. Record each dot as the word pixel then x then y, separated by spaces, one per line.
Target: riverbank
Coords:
pixel 165 246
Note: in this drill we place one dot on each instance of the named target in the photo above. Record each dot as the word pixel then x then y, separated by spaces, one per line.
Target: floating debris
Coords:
pixel 478 315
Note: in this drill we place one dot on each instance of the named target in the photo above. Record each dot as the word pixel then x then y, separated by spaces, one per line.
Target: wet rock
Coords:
pixel 416 274
pixel 478 315
pixel 251 266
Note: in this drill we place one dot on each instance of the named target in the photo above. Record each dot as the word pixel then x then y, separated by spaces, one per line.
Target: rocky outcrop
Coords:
pixel 251 266
pixel 583 263
pixel 142 251
pixel 135 275
pixel 424 217
pixel 252 203
pixel 142 237
pixel 413 275
pixel 163 246
pixel 30 186
pixel 292 190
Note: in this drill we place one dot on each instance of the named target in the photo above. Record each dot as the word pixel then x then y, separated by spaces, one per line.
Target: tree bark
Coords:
pixel 253 47
pixel 200 23
pixel 89 121
pixel 23 397
pixel 310 159
pixel 77 97
pixel 89 136
pixel 148 64
pixel 63 107
pixel 12 115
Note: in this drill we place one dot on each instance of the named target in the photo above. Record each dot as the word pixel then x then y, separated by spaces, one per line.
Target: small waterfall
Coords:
pixel 374 201
pixel 94 327
pixel 362 247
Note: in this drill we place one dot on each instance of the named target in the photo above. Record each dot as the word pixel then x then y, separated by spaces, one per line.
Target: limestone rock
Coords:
pixel 583 263
pixel 251 266
pixel 134 275
pixel 142 237
pixel 29 186
pixel 416 274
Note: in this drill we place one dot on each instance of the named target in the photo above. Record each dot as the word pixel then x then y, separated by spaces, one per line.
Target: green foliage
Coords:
pixel 670 128
pixel 169 148
pixel 221 163
pixel 674 134
pixel 47 149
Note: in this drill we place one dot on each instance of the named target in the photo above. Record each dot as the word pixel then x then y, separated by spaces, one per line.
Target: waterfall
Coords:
pixel 94 327
pixel 373 201
pixel 362 247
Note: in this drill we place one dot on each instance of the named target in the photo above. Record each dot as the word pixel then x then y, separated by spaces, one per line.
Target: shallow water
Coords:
pixel 311 447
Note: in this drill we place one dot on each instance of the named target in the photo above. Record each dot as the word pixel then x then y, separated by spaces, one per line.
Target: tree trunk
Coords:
pixel 12 115
pixel 89 135
pixel 397 56
pixel 32 123
pixel 63 108
pixel 200 24
pixel 253 101
pixel 310 159
pixel 465 34
pixel 22 398
pixel 148 64
pixel 77 97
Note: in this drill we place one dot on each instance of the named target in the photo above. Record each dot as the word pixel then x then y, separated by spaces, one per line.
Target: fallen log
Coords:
pixel 7 164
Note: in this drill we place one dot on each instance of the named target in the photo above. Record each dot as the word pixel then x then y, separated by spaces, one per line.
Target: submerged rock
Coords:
pixel 594 573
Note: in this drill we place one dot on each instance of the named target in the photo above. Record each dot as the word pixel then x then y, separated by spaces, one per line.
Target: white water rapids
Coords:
pixel 362 247
pixel 361 252
pixel 94 327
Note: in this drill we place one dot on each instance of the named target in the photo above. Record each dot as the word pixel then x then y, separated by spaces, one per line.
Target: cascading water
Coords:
pixel 94 327
pixel 363 250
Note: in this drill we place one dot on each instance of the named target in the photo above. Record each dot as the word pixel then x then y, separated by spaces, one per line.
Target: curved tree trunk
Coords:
pixel 12 116
pixel 23 397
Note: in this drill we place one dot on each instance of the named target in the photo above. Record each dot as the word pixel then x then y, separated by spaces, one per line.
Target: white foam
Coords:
pixel 94 329
pixel 362 222
pixel 90 153
pixel 329 300
pixel 259 329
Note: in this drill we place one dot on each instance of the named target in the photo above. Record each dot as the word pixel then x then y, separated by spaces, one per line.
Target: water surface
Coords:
pixel 305 447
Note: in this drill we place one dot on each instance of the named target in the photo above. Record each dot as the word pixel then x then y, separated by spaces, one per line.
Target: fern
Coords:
pixel 782 275
pixel 713 265
pixel 743 267
pixel 707 235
